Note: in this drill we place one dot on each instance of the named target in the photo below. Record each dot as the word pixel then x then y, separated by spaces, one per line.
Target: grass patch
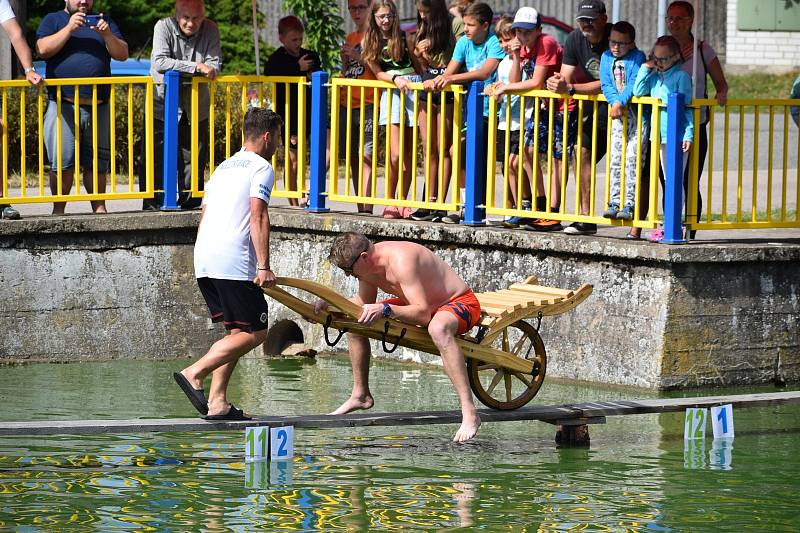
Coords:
pixel 761 216
pixel 759 85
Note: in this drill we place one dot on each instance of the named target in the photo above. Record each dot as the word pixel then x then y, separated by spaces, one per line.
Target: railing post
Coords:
pixel 475 193
pixel 172 81
pixel 673 171
pixel 319 137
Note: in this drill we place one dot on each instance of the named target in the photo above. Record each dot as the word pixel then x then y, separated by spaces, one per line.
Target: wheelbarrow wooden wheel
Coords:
pixel 504 389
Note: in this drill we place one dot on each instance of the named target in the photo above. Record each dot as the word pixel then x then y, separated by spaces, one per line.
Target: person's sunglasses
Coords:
pixel 349 269
pixel 663 59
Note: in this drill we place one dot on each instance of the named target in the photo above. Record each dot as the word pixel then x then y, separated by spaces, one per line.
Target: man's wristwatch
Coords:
pixel 30 69
pixel 571 91
pixel 387 310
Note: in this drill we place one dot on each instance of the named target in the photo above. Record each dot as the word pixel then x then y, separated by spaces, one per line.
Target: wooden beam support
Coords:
pixel 547 413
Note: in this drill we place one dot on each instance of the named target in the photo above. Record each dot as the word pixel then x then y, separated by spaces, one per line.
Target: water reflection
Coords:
pixel 634 476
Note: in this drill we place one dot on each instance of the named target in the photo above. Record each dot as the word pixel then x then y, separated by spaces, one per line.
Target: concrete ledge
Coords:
pixel 122 286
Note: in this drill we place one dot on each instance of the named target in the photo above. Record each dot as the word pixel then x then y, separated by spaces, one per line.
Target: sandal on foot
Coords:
pixel 232 414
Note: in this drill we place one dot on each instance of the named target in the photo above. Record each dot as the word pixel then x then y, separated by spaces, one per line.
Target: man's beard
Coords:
pixel 72 10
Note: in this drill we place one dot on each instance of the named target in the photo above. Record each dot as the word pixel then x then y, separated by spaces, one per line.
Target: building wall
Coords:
pixel 122 287
pixel 779 50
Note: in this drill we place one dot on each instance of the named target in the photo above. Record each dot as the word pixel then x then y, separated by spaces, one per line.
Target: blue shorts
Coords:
pixel 543 133
pixel 408 105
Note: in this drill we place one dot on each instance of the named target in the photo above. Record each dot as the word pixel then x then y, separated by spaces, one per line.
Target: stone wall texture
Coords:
pixel 122 286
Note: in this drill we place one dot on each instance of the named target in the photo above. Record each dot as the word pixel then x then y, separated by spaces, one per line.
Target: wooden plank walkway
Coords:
pixel 556 414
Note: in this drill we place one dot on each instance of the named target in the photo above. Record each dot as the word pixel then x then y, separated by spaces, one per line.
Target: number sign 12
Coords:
pixel 722 421
pixel 281 443
pixel 255 444
pixel 695 423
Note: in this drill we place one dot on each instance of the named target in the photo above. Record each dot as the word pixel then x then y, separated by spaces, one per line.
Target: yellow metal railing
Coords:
pixel 229 98
pixel 755 183
pixel 412 151
pixel 130 103
pixel 538 170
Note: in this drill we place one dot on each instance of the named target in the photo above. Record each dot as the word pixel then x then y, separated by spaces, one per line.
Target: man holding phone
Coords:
pixel 77 44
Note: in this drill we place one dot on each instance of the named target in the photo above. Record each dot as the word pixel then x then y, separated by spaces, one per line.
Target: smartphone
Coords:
pixel 92 20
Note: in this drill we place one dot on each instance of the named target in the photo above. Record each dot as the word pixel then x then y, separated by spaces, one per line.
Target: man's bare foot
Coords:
pixel 469 427
pixel 354 403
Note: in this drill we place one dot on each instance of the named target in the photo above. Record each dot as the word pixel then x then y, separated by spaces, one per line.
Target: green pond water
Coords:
pixel 638 474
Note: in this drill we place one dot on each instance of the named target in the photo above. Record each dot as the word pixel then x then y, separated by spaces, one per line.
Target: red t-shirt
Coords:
pixel 546 52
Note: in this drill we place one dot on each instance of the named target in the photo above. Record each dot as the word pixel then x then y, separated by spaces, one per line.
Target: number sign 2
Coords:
pixel 281 443
pixel 722 421
pixel 695 423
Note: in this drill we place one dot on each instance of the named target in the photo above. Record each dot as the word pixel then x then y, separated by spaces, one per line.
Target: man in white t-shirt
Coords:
pixel 9 21
pixel 232 249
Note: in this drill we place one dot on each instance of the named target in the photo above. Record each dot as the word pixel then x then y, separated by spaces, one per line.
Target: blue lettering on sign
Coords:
pixel 283 437
pixel 723 417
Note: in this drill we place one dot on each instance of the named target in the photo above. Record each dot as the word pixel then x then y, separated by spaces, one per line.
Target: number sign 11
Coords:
pixel 256 442
pixel 722 421
pixel 695 423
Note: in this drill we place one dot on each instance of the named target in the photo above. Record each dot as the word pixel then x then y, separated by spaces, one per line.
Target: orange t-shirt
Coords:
pixel 354 69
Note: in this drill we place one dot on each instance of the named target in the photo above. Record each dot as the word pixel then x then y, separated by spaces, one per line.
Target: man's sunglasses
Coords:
pixel 349 269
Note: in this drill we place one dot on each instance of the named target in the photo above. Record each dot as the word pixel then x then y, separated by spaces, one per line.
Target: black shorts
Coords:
pixel 436 96
pixel 602 127
pixel 500 151
pixel 237 304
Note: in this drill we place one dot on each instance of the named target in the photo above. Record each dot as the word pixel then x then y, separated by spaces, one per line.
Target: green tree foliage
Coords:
pixel 324 27
pixel 136 19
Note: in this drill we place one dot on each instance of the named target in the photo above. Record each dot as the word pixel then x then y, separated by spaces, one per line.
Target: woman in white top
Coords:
pixel 680 17
pixel 9 21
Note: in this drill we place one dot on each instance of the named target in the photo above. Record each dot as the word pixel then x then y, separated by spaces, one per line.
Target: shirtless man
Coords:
pixel 428 293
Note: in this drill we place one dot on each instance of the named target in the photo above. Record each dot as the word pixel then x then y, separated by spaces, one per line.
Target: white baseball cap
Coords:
pixel 527 18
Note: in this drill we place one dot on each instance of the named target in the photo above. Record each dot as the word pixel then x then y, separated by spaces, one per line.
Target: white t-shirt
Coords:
pixel 503 74
pixel 223 249
pixel 6 13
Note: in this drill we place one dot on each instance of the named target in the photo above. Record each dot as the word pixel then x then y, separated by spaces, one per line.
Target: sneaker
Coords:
pixel 405 212
pixel 544 224
pixel 612 211
pixel 581 228
pixel 438 216
pixel 657 235
pixel 421 214
pixel 625 214
pixel 9 213
pixel 453 218
pixel 391 212
pixel 515 222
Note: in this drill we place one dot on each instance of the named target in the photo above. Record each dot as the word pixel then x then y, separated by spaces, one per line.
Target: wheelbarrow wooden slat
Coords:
pixel 531 298
pixel 564 293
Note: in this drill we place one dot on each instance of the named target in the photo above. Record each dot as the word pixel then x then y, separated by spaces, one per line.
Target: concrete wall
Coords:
pixel 122 286
pixel 754 50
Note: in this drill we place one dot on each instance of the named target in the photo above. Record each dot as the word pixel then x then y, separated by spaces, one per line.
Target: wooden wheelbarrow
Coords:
pixel 506 360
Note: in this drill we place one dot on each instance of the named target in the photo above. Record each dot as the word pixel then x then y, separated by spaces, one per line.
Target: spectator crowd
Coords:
pixel 452 44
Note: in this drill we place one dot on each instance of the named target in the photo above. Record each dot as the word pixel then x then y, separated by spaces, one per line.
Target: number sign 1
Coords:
pixel 255 444
pixel 695 423
pixel 281 443
pixel 722 421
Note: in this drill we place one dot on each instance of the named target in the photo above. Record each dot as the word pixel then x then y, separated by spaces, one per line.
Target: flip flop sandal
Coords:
pixel 196 396
pixel 232 414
